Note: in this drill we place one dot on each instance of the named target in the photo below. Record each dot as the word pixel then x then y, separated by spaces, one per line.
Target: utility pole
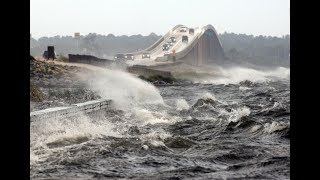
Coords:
pixel 77 37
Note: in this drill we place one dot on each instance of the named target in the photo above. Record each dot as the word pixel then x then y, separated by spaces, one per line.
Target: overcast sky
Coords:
pixel 130 17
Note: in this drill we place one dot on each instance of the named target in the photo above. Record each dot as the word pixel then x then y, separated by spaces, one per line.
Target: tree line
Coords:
pixel 264 50
pixel 92 44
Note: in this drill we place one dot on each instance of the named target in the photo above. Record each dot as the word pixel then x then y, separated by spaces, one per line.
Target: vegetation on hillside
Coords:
pixel 260 50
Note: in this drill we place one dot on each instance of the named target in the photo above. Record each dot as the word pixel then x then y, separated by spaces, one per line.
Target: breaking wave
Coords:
pixel 232 75
pixel 126 90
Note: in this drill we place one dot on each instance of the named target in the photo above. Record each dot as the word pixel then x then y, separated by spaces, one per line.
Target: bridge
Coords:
pixel 203 47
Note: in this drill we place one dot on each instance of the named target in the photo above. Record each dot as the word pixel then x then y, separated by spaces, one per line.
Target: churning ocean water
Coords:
pixel 235 126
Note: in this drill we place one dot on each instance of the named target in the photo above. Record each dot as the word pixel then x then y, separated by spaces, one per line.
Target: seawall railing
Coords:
pixel 73 110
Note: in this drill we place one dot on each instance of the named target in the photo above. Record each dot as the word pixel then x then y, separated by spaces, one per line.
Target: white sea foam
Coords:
pixel 145 116
pixel 243 88
pixel 255 128
pixel 156 137
pixel 65 132
pixel 274 126
pixel 208 95
pixel 275 105
pixel 182 104
pixel 51 130
pixel 237 114
pixel 33 158
pixel 157 143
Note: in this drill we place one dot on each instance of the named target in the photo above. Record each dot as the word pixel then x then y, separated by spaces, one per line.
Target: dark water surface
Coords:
pixel 201 131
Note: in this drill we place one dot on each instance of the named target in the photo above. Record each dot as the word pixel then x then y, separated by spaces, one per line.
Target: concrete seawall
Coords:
pixel 87 59
pixel 89 107
pixel 147 71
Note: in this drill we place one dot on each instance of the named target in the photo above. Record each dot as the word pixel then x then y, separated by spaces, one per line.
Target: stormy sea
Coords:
pixel 235 125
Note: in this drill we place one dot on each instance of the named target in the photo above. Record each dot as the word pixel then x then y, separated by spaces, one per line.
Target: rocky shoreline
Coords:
pixel 54 85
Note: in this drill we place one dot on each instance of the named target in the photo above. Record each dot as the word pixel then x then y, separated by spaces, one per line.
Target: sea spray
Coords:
pixel 231 75
pixel 124 89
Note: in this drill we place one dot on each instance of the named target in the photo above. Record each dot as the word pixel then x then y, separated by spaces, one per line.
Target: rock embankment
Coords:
pixel 49 74
pixel 54 85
